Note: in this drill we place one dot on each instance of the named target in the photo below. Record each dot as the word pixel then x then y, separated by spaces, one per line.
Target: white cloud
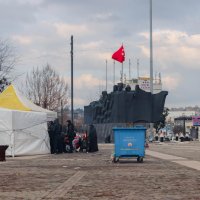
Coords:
pixel 86 81
pixel 169 37
pixel 64 30
pixel 171 82
pixel 165 36
pixel 87 88
pixel 172 46
pixel 24 40
pixel 104 55
pixel 92 45
pixel 80 101
pixel 104 16
pixel 144 50
pixel 32 2
pixel 194 41
pixel 96 50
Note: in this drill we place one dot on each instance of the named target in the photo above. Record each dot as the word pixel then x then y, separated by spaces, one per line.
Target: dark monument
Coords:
pixel 126 106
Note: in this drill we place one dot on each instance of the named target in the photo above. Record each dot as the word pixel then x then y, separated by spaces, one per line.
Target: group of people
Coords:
pixel 182 137
pixel 67 140
pixel 161 135
pixel 178 136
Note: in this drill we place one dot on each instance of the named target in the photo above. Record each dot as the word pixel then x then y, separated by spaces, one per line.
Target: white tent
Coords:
pixel 24 132
pixel 23 125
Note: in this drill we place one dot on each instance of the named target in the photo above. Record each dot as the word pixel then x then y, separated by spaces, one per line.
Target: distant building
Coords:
pixel 184 119
pixel 175 114
pixel 78 113
pixel 144 84
pixel 186 123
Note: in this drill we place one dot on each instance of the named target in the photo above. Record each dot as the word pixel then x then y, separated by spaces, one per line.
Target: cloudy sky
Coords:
pixel 41 29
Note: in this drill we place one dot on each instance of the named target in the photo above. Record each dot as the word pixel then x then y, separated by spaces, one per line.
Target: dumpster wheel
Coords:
pixel 140 159
pixel 115 159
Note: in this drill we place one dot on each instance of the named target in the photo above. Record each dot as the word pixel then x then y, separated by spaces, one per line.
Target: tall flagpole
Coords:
pixel 122 70
pixel 151 66
pixel 129 69
pixel 113 72
pixel 72 82
pixel 106 74
pixel 138 69
pixel 122 73
pixel 151 50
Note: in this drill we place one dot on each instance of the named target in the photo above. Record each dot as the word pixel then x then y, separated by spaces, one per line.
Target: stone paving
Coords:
pixel 179 160
pixel 92 176
pixel 187 150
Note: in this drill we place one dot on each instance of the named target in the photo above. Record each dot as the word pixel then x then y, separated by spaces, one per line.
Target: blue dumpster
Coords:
pixel 129 142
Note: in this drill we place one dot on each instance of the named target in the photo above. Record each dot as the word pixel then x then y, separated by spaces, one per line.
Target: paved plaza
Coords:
pixel 170 171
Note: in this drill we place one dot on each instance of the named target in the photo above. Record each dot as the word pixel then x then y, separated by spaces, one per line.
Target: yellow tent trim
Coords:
pixel 10 100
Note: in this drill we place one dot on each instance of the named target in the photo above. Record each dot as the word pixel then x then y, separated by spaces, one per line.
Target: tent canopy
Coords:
pixel 12 99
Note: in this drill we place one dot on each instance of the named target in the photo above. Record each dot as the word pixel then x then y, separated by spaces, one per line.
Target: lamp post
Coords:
pixel 72 82
pixel 151 50
pixel 151 65
pixel 106 74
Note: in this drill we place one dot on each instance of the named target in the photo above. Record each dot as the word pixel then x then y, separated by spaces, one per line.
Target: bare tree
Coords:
pixel 46 88
pixel 8 60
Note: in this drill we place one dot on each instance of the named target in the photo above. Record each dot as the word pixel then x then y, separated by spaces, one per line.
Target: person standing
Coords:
pixel 92 139
pixel 176 136
pixel 70 134
pixel 161 136
pixel 156 136
pixel 51 136
pixel 187 137
pixel 181 137
pixel 57 134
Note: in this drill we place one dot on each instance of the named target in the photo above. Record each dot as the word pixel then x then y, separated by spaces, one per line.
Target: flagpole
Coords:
pixel 138 68
pixel 151 50
pixel 106 73
pixel 151 66
pixel 113 72
pixel 72 81
pixel 119 55
pixel 129 69
pixel 122 72
pixel 122 69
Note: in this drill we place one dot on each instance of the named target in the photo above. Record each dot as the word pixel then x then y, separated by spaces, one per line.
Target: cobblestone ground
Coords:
pixel 93 176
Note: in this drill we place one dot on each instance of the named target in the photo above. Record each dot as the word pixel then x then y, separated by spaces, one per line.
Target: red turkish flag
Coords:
pixel 119 55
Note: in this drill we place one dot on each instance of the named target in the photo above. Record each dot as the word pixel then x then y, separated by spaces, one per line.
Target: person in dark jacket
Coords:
pixel 58 146
pixel 92 139
pixel 71 134
pixel 51 136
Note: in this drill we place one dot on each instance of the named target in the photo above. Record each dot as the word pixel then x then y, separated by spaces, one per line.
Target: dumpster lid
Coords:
pixel 134 127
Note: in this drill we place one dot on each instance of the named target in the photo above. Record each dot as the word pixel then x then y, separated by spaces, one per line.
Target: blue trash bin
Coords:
pixel 129 142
